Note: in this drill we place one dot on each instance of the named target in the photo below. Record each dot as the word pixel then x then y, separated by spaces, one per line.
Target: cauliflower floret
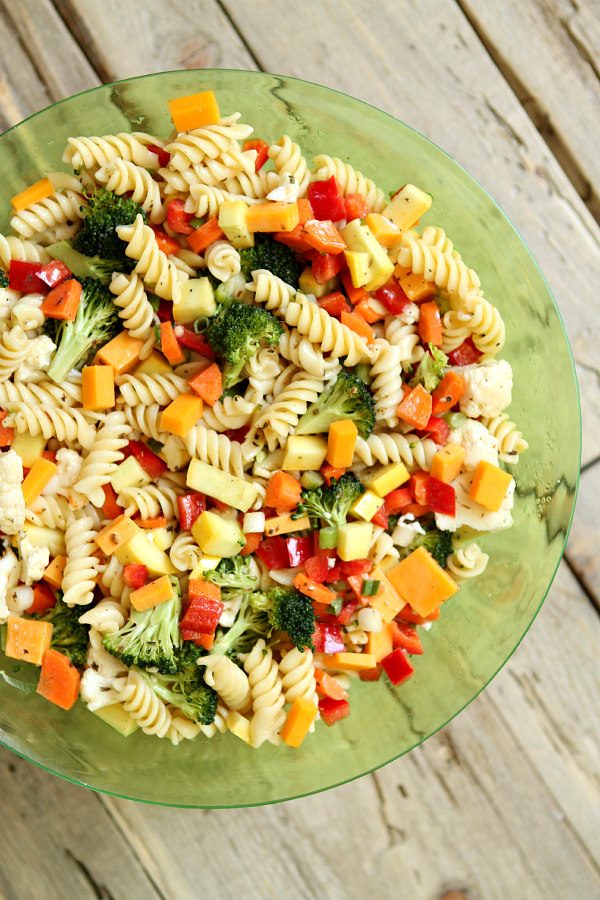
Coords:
pixel 406 530
pixel 12 504
pixel 37 360
pixel 230 611
pixel 10 569
pixel 478 444
pixel 68 465
pixel 34 560
pixel 287 191
pixel 470 513
pixel 488 388
pixel 104 676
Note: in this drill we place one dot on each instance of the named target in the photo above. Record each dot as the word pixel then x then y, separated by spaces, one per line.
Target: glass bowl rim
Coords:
pixel 262 74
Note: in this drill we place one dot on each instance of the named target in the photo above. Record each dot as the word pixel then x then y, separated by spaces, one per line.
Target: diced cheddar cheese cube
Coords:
pixel 53 572
pixel 98 387
pixel 379 643
pixel 447 462
pixel 273 215
pixel 297 724
pixel 180 416
pixel 407 206
pixel 33 194
pixel 116 534
pixel 27 639
pixel 489 485
pixel 416 288
pixel 383 229
pixel 365 506
pixel 195 111
pixel 238 725
pixel 421 582
pixel 304 453
pixel 386 601
pixel 351 662
pixel 121 353
pixel 158 591
pixel 341 441
pixel 118 718
pixel 387 479
pixel 285 524
pixel 142 551
pixel 40 474
pixel 354 540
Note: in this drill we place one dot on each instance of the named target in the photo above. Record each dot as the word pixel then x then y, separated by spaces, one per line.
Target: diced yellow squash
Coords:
pixel 416 288
pixel 383 229
pixel 447 462
pixel 358 266
pixel 379 643
pixel 195 111
pixel 365 506
pixel 232 221
pixel 351 662
pixel 27 639
pixel 489 485
pixel 238 725
pixel 341 441
pixel 297 724
pixel 41 473
pixel 116 534
pixel 52 538
pixel 142 550
pixel 98 387
pixel 118 718
pixel 387 478
pixel 32 194
pixel 221 485
pixel 158 591
pixel 304 453
pixel 205 564
pixel 421 582
pixel 155 364
pixel 360 238
pixel 308 284
pixel 217 536
pixel 285 524
pixel 197 299
pixel 180 416
pixel 29 447
pixel 387 600
pixel 121 353
pixel 354 540
pixel 53 573
pixel 129 474
pixel 272 215
pixel 407 206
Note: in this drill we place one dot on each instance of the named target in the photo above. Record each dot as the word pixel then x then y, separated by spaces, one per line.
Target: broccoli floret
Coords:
pixel 69 635
pixel 3 279
pixel 289 610
pixel 234 572
pixel 95 324
pixel 330 503
pixel 87 266
pixel 150 639
pixel 437 542
pixel 346 398
pixel 270 254
pixel 97 235
pixel 237 332
pixel 251 623
pixel 430 370
pixel 187 691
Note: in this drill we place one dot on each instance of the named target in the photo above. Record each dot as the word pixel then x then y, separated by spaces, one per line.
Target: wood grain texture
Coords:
pixel 585 534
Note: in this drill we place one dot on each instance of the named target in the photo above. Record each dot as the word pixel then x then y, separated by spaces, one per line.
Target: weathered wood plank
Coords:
pixel 582 549
pixel 547 60
pixel 58 841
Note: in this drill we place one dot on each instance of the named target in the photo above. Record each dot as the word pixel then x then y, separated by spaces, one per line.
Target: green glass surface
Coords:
pixel 480 627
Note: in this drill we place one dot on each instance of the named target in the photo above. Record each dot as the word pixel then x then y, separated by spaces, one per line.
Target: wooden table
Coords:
pixel 505 802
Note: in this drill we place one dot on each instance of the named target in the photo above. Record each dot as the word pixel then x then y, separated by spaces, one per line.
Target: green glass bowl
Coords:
pixel 480 627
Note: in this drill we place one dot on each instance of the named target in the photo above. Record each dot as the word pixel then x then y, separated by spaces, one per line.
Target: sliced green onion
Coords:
pixel 328 538
pixel 363 371
pixel 311 480
pixel 154 301
pixel 3 631
pixel 370 587
pixel 335 607
pixel 455 419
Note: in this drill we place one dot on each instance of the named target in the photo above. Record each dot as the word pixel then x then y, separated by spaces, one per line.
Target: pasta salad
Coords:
pixel 252 419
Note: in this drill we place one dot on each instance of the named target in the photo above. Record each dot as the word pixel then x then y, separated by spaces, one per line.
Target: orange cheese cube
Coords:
pixel 195 111
pixel 383 229
pixel 379 643
pixel 489 485
pixel 416 288
pixel 40 474
pixel 341 442
pixel 401 271
pixel 181 415
pixel 158 591
pixel 33 194
pixel 53 573
pixel 115 534
pixel 121 353
pixel 27 639
pixel 98 387
pixel 447 462
pixel 421 582
pixel 272 215
pixel 299 719
pixel 351 662
pixel 386 601
pixel 284 524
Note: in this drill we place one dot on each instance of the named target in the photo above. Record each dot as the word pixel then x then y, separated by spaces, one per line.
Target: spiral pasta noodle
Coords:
pixel 121 176
pixel 255 185
pixel 46 393
pixel 145 389
pixel 262 370
pixel 268 700
pixel 219 726
pixel 298 677
pixel 288 160
pixel 206 200
pixel 14 347
pixel 222 260
pixel 185 554
pixel 49 511
pixel 322 329
pixel 456 329
pixel 229 681
pixel 181 728
pixel 381 546
pixel 467 562
pixel 229 414
pixel 112 581
pixel 82 566
pixel 106 617
pixel 150 501
pixel 271 290
pixel 404 337
pixel 386 385
pixel 410 449
pixel 142 704
pixel 92 153
pixel 152 264
pixel 487 328
pixel 12 247
pixel 299 350
pixel 210 142
pixel 70 426
pixel 101 462
pixel 349 180
pixel 511 442
pixel 61 207
pixel 215 449
pixel 145 419
pixel 445 268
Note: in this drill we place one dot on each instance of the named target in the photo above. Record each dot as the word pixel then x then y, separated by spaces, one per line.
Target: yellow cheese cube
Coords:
pixel 53 573
pixel 365 506
pixel 142 550
pixel 489 485
pixel 361 239
pixel 221 485
pixel 29 447
pixel 354 540
pixel 407 206
pixel 180 416
pixel 98 387
pixel 40 536
pixel 387 479
pixel 383 229
pixel 197 299
pixel 158 591
pixel 341 441
pixel 386 601
pixel 351 662
pixel 416 288
pixel 40 474
pixel 218 536
pixel 304 453
pixel 118 718
pixel 27 639
pixel 238 725
pixel 155 364
pixel 121 353
pixel 421 582
pixel 232 221
pixel 129 474
pixel 358 266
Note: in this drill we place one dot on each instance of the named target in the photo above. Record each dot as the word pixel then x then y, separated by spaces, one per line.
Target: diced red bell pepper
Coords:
pixel 44 598
pixel 331 474
pixel 148 460
pixel 299 549
pixel 356 206
pixel 393 297
pixel 348 610
pixel 262 152
pixel 163 156
pixel 165 242
pixel 53 273
pixel 238 434
pixel 110 507
pixel 406 614
pixel 418 485
pixel 195 342
pixel 335 304
pixel 317 567
pixel 198 638
pixel 406 637
pixel 373 674
pixel 328 638
pixel 397 500
pixel 253 539
pixel 438 429
pixel 356 567
pixel 381 517
pixel 165 311
pixel 178 219
pixel 23 276
pixel 326 200
pixel 333 573
pixel 327 265
pixel 274 553
pixel 397 666
pixel 441 497
pixel 465 355
pixel 135 575
pixel 190 506
pixel 6 434
pixel 202 614
pixel 333 710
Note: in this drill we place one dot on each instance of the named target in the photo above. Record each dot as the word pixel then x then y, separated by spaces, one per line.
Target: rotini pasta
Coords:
pixel 206 200
pixel 350 181
pixel 14 347
pixel 92 153
pixel 326 332
pixel 142 704
pixel 280 418
pixel 288 160
pixel 268 700
pixel 158 272
pixel 122 176
pixel 511 442
pixel 216 449
pixel 61 207
pixel 70 426
pixel 222 260
pixel 467 562
pixel 106 617
pixel 229 681
pixel 12 247
pixel 82 565
pixel 153 500
pixel 145 390
pixel 386 385
pixel 298 676
pixel 101 462
pixel 229 414
pixel 185 553
pixel 410 449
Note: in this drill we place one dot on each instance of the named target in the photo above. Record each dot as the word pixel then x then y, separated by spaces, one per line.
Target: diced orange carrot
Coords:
pixel 299 719
pixel 447 393
pixel 430 324
pixel 416 407
pixel 253 539
pixel 355 295
pixel 169 344
pixel 207 234
pixel 165 242
pixel 195 111
pixel 332 473
pixel 272 216
pixel 305 211
pixel 156 522
pixel 110 507
pixel 358 325
pixel 313 589
pixel 59 680
pixel 198 587
pixel 33 194
pixel 418 485
pixel 7 435
pixel 294 238
pixel 329 686
pixel 152 594
pixel 283 492
pixel 63 301
pixel 208 384
pixel 341 441
pixel 324 236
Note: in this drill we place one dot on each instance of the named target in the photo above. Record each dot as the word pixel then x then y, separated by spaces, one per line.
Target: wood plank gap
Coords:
pixel 5 13
pixel 80 34
pixel 240 34
pixel 595 601
pixel 589 464
pixel 540 118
